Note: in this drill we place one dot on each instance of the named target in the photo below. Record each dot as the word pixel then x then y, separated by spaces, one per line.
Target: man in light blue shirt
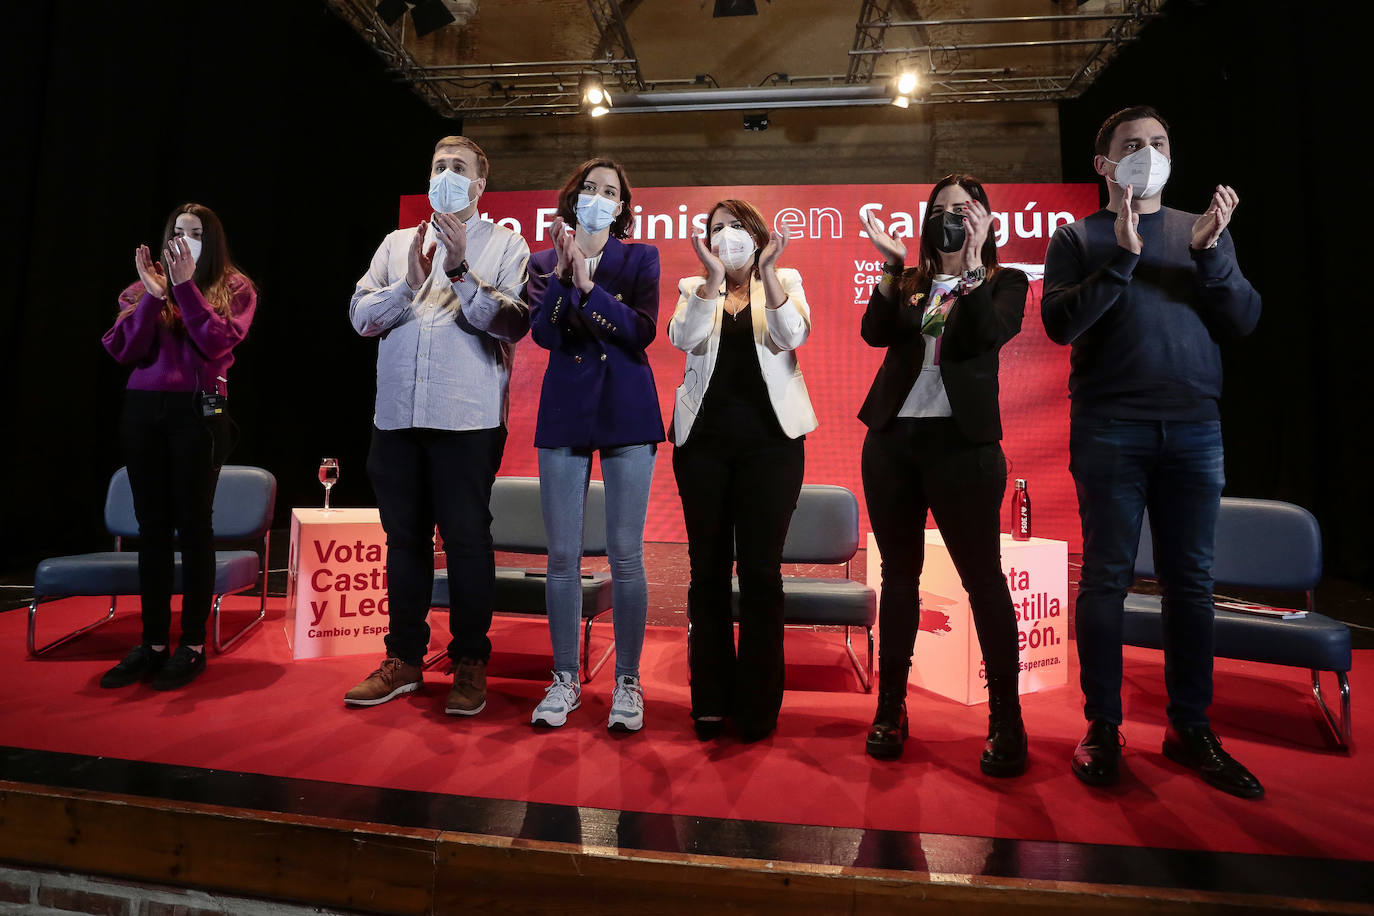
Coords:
pixel 444 299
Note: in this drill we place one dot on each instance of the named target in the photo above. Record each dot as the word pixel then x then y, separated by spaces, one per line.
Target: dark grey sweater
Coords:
pixel 1145 328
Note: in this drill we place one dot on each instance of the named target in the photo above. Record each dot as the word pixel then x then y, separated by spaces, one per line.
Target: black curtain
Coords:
pixel 1261 97
pixel 276 115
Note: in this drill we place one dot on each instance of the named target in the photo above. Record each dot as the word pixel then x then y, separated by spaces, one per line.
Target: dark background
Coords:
pixel 280 118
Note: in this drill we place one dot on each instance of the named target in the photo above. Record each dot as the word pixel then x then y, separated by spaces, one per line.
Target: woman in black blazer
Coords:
pixel 933 444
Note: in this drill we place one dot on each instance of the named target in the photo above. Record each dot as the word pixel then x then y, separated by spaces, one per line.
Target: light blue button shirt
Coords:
pixel 446 349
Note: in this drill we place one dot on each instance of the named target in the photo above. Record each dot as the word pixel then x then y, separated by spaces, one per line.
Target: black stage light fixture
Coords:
pixel 391 11
pixel 430 16
pixel 735 8
pixel 756 121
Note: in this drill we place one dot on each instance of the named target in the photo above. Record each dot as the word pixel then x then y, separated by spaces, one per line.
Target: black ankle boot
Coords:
pixel 1004 753
pixel 889 731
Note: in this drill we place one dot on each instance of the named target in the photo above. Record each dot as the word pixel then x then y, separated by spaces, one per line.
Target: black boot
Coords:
pixel 889 729
pixel 1004 753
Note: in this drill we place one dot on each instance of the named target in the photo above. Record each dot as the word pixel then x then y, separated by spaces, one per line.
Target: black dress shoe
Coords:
pixel 182 668
pixel 141 661
pixel 1198 748
pixel 1004 753
pixel 1097 759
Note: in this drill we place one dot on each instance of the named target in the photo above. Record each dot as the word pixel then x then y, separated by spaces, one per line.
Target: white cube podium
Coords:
pixel 336 583
pixel 949 660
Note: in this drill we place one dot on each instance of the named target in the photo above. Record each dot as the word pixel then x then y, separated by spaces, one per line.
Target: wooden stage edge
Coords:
pixel 375 868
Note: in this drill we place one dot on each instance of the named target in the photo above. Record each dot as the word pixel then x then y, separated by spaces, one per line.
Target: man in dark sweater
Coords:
pixel 1146 294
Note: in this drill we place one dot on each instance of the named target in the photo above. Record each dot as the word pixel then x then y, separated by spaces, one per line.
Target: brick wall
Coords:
pixel 32 892
pixel 878 145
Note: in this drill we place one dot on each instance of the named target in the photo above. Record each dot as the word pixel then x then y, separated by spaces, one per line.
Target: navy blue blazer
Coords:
pixel 598 389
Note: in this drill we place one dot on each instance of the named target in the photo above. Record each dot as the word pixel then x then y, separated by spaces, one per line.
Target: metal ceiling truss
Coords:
pixel 545 88
pixel 389 43
pixel 948 83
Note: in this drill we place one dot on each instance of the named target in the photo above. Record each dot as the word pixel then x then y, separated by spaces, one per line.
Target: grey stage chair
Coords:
pixel 244 501
pixel 517 526
pixel 825 529
pixel 1263 544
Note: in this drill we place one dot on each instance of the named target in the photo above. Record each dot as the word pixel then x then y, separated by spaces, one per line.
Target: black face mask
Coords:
pixel 946 230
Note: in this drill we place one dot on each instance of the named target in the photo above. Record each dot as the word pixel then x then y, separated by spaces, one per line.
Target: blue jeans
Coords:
pixel 1120 468
pixel 563 477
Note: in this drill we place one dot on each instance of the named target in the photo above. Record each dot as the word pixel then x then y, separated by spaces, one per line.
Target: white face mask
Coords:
pixel 1145 171
pixel 734 247
pixel 194 245
pixel 595 212
pixel 448 192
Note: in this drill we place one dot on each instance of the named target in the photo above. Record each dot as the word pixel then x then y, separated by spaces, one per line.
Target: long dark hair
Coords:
pixel 929 263
pixel 214 269
pixel 567 198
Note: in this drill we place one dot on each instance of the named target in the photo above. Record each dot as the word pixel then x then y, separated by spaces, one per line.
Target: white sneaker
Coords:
pixel 560 698
pixel 627 705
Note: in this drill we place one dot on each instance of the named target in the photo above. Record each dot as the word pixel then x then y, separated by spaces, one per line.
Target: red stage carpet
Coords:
pixel 256 710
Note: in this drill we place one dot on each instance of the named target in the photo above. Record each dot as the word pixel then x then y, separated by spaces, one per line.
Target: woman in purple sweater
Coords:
pixel 177 327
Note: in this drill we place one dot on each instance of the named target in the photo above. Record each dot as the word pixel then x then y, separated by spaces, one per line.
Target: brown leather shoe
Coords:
pixel 389 681
pixel 469 694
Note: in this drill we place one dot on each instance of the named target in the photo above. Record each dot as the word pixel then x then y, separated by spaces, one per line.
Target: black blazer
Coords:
pixel 977 327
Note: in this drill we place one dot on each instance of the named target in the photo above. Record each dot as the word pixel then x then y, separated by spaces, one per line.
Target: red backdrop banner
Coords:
pixel 839 266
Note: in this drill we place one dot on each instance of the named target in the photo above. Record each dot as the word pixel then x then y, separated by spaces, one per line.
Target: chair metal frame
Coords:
pixel 1340 730
pixel 865 674
pixel 216 617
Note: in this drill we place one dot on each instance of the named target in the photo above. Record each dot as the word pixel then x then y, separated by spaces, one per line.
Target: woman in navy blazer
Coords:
pixel 594 306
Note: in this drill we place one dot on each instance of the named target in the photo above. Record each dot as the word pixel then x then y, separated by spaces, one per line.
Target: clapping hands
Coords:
pixel 1208 227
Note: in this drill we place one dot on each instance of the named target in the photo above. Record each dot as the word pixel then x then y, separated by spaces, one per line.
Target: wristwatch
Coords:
pixel 977 275
pixel 458 272
pixel 893 270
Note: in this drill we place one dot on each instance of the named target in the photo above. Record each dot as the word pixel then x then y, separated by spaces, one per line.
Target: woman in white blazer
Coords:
pixel 739 420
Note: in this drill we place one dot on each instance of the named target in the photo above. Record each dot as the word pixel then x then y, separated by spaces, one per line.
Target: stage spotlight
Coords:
pixel 596 98
pixel 901 101
pixel 430 16
pixel 735 8
pixel 906 83
pixel 391 11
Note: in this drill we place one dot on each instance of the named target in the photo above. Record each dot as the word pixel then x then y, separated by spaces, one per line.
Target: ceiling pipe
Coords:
pixel 752 99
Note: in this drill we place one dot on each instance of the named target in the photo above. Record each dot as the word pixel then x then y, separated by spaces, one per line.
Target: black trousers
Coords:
pixel 915 465
pixel 174 455
pixel 428 476
pixel 738 496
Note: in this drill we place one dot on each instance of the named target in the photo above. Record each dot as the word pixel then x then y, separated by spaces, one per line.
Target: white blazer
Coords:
pixel 695 330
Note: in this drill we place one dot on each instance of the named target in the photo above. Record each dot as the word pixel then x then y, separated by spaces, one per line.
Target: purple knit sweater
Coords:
pixel 190 356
